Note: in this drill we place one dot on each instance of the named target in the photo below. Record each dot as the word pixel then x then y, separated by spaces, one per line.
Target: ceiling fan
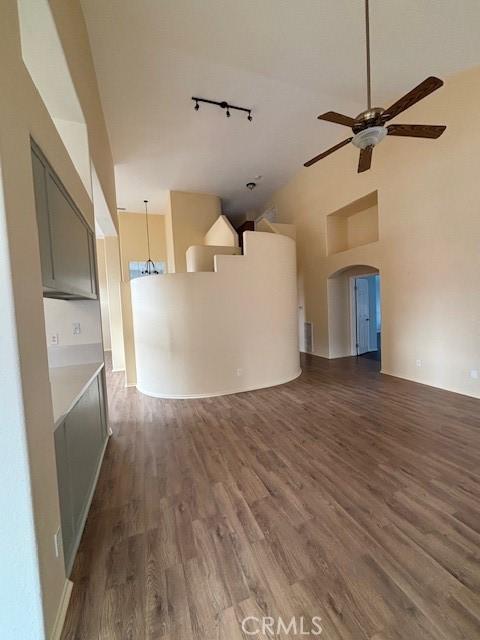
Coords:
pixel 369 127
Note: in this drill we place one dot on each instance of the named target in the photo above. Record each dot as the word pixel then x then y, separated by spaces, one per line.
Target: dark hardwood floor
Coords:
pixel 345 494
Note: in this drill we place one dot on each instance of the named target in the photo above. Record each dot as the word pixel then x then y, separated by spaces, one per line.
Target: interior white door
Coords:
pixel 363 315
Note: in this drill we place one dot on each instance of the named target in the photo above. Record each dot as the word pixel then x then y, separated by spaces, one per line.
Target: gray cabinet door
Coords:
pixel 70 242
pixel 79 443
pixel 43 220
pixel 67 244
pixel 84 436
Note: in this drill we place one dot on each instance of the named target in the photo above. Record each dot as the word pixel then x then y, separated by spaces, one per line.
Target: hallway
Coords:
pixel 344 494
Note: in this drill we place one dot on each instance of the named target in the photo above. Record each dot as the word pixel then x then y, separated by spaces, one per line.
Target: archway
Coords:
pixel 354 316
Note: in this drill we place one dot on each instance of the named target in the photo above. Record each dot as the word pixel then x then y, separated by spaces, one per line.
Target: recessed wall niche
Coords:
pixel 354 225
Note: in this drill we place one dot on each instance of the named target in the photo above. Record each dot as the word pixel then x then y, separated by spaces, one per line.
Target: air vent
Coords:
pixel 308 337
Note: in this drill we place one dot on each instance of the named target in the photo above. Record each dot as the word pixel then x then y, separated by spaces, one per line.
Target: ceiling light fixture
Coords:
pixel 369 128
pixel 149 269
pixel 251 185
pixel 223 105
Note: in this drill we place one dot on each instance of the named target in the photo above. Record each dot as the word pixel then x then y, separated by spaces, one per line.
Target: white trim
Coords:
pixel 118 370
pixel 219 393
pixel 62 610
pixel 353 318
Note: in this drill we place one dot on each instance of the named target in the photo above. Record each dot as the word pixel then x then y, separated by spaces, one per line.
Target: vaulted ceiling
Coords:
pixel 288 60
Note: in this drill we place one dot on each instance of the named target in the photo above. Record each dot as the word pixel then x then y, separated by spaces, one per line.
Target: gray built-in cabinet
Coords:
pixel 79 444
pixel 68 264
pixel 67 244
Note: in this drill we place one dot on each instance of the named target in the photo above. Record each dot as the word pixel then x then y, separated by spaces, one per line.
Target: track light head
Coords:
pixel 197 106
pixel 249 117
pixel 228 114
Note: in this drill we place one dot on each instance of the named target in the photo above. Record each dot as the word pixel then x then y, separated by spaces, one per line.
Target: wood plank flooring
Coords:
pixel 345 494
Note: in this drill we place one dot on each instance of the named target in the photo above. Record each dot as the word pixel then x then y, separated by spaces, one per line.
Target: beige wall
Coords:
pixel 73 34
pixel 133 239
pixel 221 234
pixel 113 271
pixel 22 114
pixel 203 258
pixel 192 215
pixel 428 248
pixel 190 328
pixel 133 248
pixel 340 311
pixel 275 227
pixel 103 293
pixel 60 316
pixel 129 347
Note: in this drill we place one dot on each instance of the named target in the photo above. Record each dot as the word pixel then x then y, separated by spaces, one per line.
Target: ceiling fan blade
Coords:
pixel 365 159
pixel 327 152
pixel 416 130
pixel 421 91
pixel 337 118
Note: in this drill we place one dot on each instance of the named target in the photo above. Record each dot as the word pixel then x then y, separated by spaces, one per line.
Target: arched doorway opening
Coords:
pixel 354 312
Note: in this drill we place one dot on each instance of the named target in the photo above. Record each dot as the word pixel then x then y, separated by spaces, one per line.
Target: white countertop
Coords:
pixel 68 384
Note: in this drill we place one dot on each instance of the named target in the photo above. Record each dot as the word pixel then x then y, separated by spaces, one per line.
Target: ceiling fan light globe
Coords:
pixel 369 137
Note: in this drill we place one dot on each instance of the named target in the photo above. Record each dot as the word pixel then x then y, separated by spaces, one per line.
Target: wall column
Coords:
pixel 112 258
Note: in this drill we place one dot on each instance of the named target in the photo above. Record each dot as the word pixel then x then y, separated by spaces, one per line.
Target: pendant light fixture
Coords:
pixel 149 269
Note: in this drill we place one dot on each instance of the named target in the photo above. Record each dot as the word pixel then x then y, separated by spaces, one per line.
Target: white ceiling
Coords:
pixel 288 60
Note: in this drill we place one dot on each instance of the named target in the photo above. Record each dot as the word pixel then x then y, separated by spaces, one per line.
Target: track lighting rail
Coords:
pixel 223 105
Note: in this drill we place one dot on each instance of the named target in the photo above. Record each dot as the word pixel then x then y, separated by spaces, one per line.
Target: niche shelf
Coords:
pixel 354 225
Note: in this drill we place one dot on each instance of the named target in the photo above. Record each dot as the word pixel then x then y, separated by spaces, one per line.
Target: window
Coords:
pixel 135 268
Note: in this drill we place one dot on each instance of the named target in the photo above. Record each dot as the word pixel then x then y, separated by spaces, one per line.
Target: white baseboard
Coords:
pixel 62 610
pixel 272 383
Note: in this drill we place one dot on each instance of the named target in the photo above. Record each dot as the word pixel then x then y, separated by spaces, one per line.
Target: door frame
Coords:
pixel 353 309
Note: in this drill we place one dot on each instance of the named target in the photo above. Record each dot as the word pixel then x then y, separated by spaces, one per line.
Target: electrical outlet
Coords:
pixel 239 372
pixel 54 339
pixel 418 363
pixel 77 329
pixel 474 374
pixel 57 541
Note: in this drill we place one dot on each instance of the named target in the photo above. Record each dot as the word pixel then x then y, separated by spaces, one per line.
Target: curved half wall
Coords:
pixel 207 334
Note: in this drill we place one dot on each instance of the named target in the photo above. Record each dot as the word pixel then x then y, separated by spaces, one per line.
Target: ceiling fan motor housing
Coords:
pixel 369 137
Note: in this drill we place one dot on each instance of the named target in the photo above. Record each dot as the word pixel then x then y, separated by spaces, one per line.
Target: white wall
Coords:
pixel 193 331
pixel 202 258
pixel 27 612
pixel 103 293
pixel 221 233
pixel 61 314
pixel 87 346
pixel 18 550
